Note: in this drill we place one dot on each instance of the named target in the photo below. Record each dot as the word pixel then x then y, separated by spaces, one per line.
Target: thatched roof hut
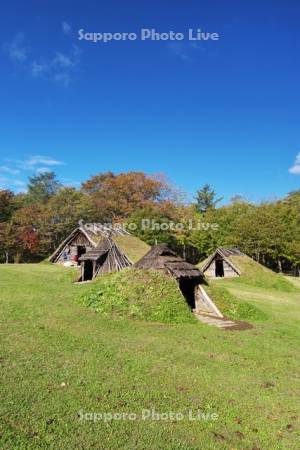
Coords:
pixel 189 278
pixel 161 257
pixel 105 258
pixel 222 263
pixel 82 239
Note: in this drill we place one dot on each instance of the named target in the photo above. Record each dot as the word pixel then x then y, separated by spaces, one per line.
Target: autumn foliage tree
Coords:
pixel 117 196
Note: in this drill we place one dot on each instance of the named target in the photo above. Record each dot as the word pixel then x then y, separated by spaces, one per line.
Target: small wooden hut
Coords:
pixel 83 240
pixel 189 278
pixel 221 265
pixel 105 258
pixel 76 244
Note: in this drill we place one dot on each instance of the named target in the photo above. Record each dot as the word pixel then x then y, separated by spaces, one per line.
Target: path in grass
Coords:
pixel 222 322
pixel 58 358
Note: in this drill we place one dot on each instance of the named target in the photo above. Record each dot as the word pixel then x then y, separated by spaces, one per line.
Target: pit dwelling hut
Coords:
pixel 105 258
pixel 114 247
pixel 189 278
pixel 221 263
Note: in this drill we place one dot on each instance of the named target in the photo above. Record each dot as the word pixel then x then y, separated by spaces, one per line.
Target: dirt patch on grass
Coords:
pixel 239 326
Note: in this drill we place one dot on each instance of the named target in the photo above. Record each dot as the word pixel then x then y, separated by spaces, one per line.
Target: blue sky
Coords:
pixel 224 112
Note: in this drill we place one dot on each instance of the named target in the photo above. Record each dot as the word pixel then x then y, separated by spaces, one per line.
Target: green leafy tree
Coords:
pixel 206 199
pixel 152 226
pixel 42 187
pixel 7 205
pixel 63 213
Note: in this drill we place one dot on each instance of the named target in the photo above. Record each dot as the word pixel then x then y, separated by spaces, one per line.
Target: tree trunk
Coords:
pixel 279 266
pixel 17 258
pixel 6 257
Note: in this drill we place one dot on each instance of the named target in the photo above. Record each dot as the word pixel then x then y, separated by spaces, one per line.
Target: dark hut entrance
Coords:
pixel 219 268
pixel 88 271
pixel 105 258
pixel 81 250
pixel 160 257
pixel 187 287
pixel 189 278
pixel 222 263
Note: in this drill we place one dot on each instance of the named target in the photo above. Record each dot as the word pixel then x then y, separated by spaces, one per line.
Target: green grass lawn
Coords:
pixel 59 359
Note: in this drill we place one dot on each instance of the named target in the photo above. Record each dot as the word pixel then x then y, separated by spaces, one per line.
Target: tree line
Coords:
pixel 32 224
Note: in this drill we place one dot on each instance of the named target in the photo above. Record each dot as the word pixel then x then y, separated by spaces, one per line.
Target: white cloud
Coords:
pixel 66 27
pixel 62 78
pixel 63 66
pixel 59 68
pixel 9 170
pixel 18 182
pixel 62 60
pixel 295 169
pixel 39 159
pixel 184 50
pixel 35 164
pixel 16 49
pixel 76 51
pixel 42 169
pixel 32 162
pixel 9 182
pixel 179 49
pixel 38 69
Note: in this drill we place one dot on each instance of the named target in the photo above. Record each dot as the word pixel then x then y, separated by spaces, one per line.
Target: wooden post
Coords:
pixel 82 271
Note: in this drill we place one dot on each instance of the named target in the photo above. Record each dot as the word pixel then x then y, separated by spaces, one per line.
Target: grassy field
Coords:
pixel 61 361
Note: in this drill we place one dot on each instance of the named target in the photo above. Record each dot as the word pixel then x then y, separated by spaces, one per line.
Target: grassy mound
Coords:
pixel 252 274
pixel 258 275
pixel 231 306
pixel 139 294
pixel 255 274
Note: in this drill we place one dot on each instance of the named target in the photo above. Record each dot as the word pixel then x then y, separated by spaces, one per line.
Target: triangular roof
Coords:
pixel 224 253
pixel 111 256
pixel 161 257
pixel 130 245
pixel 102 249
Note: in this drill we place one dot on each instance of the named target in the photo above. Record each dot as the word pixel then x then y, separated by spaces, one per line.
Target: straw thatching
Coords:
pixel 189 278
pixel 161 257
pixel 105 258
pixel 83 239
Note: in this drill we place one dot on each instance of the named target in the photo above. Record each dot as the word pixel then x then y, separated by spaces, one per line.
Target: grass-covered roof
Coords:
pixel 130 245
pixel 252 272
